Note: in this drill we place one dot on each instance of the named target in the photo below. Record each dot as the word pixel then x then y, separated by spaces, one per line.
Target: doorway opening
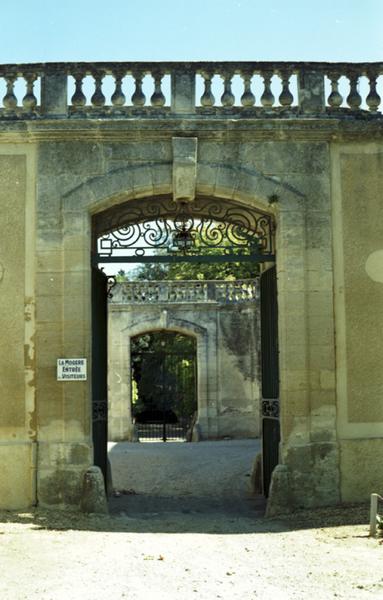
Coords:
pixel 164 386
pixel 157 237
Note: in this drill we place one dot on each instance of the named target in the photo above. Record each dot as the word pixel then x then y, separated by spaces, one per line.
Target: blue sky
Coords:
pixel 90 30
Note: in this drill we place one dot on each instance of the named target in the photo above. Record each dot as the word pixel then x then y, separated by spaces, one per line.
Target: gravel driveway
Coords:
pixel 191 531
pixel 203 476
pixel 317 555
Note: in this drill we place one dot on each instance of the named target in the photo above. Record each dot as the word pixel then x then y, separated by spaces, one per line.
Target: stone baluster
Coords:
pixel 78 99
pixel 152 293
pixel 211 289
pixel 335 99
pixel 10 100
pixel 98 98
pixel 373 99
pixel 285 98
pixel 267 98
pixel 354 99
pixel 30 100
pixel 247 98
pixel 230 292
pixel 207 98
pixel 203 292
pixel 138 97
pixel 163 292
pixel 118 97
pixel 172 296
pixel 157 99
pixel 227 98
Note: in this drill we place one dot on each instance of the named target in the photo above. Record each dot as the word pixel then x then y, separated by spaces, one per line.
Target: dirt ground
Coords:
pixel 203 476
pixel 189 547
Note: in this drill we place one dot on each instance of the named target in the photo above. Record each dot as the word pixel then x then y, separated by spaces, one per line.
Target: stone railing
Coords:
pixel 62 90
pixel 195 292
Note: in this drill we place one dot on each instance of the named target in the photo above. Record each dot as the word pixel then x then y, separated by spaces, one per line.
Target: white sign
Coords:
pixel 71 369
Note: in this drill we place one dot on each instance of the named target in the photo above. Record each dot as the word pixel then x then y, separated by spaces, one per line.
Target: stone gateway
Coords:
pixel 296 141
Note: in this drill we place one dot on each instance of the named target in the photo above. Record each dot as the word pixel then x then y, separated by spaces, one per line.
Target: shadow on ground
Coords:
pixel 146 506
pixel 186 520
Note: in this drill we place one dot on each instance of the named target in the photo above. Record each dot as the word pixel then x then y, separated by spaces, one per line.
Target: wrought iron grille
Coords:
pixel 161 432
pixel 161 227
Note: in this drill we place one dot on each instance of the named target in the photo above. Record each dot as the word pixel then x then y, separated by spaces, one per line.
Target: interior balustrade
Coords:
pixel 208 291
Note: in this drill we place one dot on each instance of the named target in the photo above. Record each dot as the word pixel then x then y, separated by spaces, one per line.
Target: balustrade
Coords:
pixel 18 90
pixel 251 89
pixel 153 292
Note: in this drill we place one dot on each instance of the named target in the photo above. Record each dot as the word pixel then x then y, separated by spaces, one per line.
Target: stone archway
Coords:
pixel 308 429
pixel 122 329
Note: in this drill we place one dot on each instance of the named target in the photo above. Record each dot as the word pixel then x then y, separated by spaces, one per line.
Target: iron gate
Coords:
pixel 170 396
pixel 270 376
pixel 99 371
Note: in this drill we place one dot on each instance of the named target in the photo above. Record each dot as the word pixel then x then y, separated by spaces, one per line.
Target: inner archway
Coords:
pixel 164 386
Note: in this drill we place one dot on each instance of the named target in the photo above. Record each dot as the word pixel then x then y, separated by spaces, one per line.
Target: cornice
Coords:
pixel 215 129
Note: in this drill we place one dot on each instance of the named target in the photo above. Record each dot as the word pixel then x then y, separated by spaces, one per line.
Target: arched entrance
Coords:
pixel 158 230
pixel 164 385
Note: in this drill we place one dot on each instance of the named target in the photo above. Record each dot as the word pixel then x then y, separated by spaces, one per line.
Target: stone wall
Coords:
pixel 227 336
pixel 311 164
pixel 358 260
pixel 17 308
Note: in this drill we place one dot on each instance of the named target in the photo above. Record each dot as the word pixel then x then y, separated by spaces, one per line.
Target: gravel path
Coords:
pixel 201 477
pixel 204 540
pixel 189 556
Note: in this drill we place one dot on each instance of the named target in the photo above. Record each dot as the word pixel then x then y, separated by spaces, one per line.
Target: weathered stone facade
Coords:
pixel 223 318
pixel 316 166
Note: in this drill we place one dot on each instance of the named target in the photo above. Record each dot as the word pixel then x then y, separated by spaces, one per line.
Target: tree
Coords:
pixel 195 271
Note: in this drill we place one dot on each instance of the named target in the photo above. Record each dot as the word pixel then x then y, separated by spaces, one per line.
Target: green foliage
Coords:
pixel 196 271
pixel 163 366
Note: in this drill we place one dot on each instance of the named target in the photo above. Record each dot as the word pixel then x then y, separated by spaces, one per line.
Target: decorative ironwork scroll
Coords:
pixel 270 408
pixel 143 228
pixel 111 282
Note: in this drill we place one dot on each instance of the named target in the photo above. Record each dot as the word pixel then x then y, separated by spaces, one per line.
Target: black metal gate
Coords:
pixel 99 370
pixel 270 376
pixel 170 412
